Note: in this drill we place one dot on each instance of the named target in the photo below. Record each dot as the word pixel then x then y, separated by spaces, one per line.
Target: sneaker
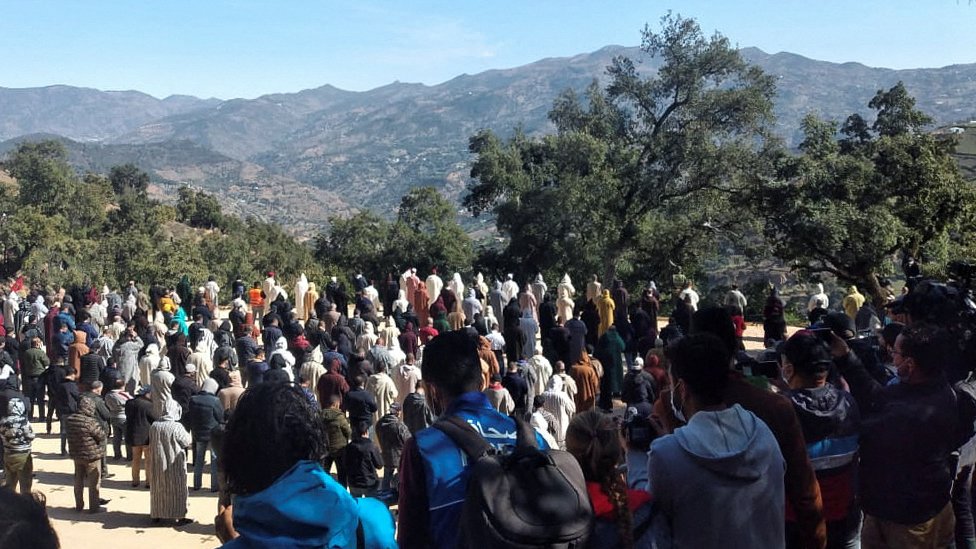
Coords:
pixel 103 501
pixel 184 521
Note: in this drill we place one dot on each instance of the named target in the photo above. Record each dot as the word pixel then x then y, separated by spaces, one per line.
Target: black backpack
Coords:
pixel 529 498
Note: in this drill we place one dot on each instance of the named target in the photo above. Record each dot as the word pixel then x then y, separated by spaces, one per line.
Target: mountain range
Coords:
pixel 298 158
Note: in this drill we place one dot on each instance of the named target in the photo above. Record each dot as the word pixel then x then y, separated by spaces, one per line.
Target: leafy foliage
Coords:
pixel 62 229
pixel 634 168
pixel 425 234
pixel 197 209
pixel 849 202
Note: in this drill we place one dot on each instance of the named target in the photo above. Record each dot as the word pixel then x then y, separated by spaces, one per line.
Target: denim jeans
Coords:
pixel 199 453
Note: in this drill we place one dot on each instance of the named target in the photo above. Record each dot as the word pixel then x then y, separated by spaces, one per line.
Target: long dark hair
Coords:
pixel 594 440
pixel 273 427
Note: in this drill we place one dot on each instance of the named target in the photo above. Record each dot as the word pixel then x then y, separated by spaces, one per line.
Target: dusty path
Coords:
pixel 125 523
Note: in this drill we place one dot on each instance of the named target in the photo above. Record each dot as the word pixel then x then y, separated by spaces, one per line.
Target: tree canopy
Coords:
pixel 61 228
pixel 856 197
pixel 646 162
pixel 425 234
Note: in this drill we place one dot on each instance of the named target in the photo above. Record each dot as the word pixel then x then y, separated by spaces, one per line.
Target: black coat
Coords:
pixel 183 388
pixel 416 412
pixel 518 388
pixel 362 459
pixel 205 412
pixel 360 405
pixel 139 417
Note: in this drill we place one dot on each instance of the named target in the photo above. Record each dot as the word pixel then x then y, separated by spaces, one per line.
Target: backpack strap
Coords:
pixel 525 435
pixel 462 434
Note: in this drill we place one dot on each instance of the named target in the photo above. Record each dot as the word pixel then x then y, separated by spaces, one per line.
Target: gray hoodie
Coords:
pixel 718 482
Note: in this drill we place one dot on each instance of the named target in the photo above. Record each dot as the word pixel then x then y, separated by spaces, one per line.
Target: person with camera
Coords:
pixel 909 431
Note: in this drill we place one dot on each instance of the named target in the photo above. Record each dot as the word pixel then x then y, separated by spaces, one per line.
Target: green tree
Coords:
pixel 198 209
pixel 849 202
pixel 426 234
pixel 44 177
pixel 127 178
pixel 655 158
pixel 359 243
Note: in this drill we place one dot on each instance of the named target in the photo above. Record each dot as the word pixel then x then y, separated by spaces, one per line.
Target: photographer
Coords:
pixel 639 429
pixel 909 431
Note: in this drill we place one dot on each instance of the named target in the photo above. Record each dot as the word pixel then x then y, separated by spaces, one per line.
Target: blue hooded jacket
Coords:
pixel 305 507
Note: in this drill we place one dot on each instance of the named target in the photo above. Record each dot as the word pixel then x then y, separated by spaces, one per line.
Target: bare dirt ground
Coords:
pixel 126 522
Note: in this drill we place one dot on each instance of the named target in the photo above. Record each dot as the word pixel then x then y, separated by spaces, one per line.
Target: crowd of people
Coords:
pixel 319 413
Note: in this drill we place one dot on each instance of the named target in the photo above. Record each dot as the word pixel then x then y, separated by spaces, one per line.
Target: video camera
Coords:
pixel 951 306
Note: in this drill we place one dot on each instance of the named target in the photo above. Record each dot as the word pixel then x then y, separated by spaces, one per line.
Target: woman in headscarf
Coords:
pixel 168 440
pixel 482 289
pixel 185 293
pixel 438 308
pixel 605 306
pixel 148 363
pixel 392 340
pixel 282 359
pixel 558 403
pixel 178 354
pixel 161 387
pixel 401 303
pixel 366 341
pixel 180 318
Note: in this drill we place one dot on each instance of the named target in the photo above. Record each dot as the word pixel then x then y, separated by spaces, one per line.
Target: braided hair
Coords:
pixel 593 438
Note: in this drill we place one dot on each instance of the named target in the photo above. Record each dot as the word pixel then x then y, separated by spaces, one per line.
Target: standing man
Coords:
pixel 86 445
pixel 433 478
pixel 908 432
pixel 736 298
pixel 694 479
pixel 33 366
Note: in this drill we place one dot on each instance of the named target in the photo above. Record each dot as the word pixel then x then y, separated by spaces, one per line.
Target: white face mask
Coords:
pixel 674 408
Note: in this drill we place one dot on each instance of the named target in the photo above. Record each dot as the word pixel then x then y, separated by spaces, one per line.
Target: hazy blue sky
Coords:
pixel 226 48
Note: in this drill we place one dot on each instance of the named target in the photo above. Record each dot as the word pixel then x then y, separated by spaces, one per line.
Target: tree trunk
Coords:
pixel 877 293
